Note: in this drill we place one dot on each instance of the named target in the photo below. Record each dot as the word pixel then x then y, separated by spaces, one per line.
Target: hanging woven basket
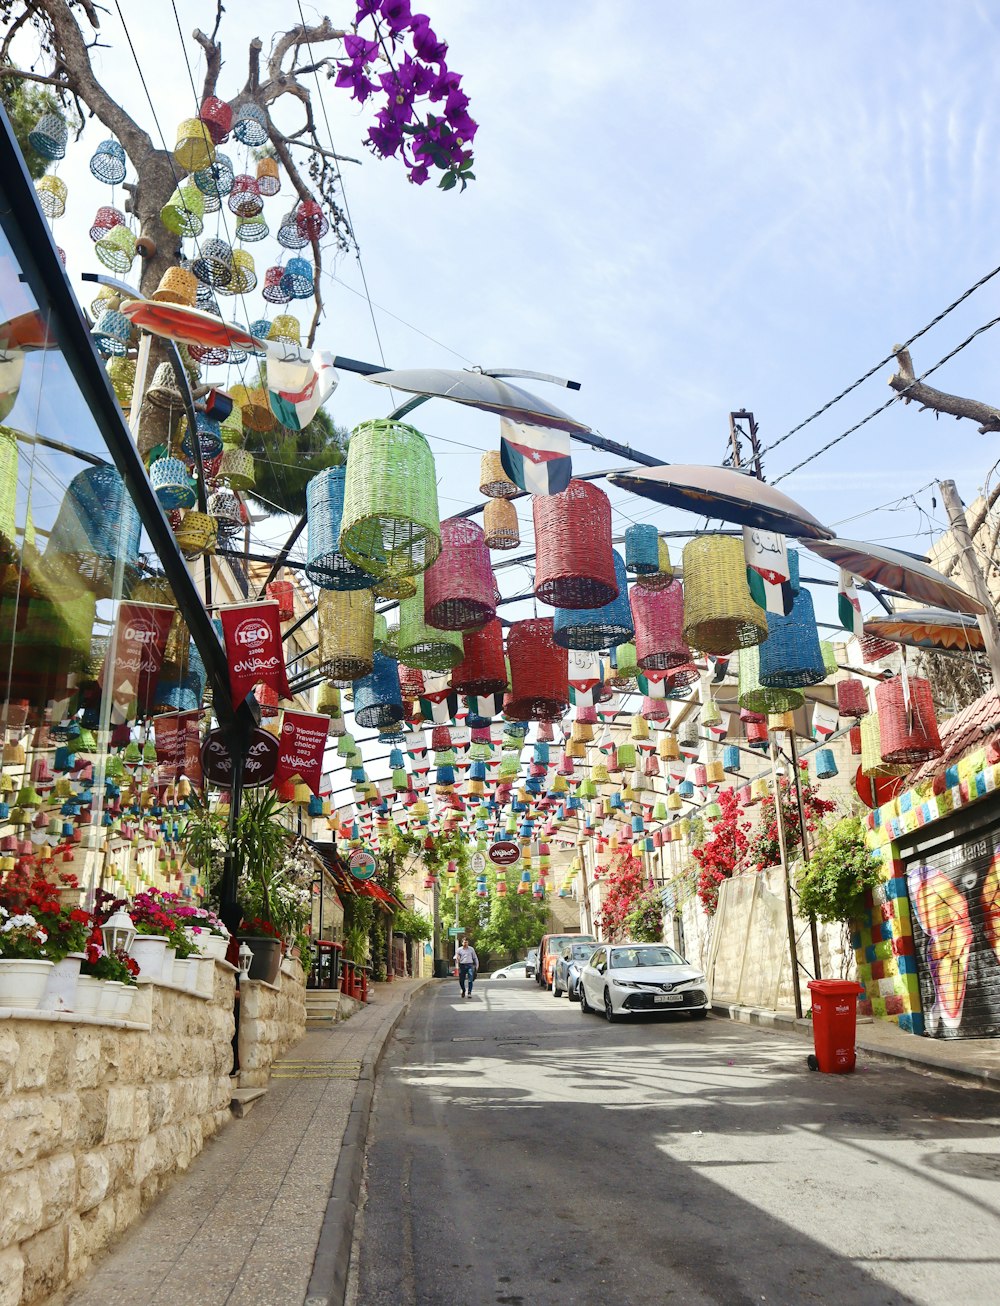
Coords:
pixel 116 249
pixel 659 627
pixel 268 177
pixel 874 648
pixel 52 192
pixel 378 703
pixel 250 124
pixel 597 628
pixel 112 333
pixel 459 586
pixel 184 211
pixel 48 137
pixel 255 410
pixel 289 235
pixel 283 593
pixel 760 698
pixel 390 524
pixel 851 697
pixel 244 278
pixel 97 524
pixel 105 218
pixel 172 483
pixel 791 657
pixel 195 147
pixel 244 197
pixel 494 483
pixel 238 468
pixel 719 612
pixel 642 555
pixel 574 563
pixel 214 263
pixel 539 672
pixel 215 181
pixel 297 280
pixel 197 534
pixel 274 291
pixel 873 764
pixel 500 527
pixel 346 620
pixel 395 588
pixel 217 117
pixel 908 734
pixel 326 565
pixel 177 286
pixel 422 645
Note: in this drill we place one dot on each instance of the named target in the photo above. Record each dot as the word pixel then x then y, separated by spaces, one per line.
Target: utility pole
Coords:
pixel 789 913
pixel 813 933
pixel 742 423
pixel 974 580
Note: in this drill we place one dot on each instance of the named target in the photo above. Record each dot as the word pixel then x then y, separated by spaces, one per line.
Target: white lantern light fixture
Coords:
pixel 246 958
pixel 118 932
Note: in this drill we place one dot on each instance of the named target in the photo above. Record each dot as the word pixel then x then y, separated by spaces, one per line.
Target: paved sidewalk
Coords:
pixel 266 1212
pixel 970 1059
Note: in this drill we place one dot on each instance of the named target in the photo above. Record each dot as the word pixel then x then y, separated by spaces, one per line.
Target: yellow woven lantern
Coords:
pixel 674 802
pixel 346 621
pixel 244 277
pixel 640 728
pixel 781 721
pixel 494 483
pixel 668 747
pixel 719 612
pixel 177 286
pixel 714 773
pixel 237 466
pixel 581 731
pixel 197 534
pixel 255 410
pixel 195 148
pixel 576 748
pixel 500 525
pixel 872 761
pixel 395 587
pixel 52 192
pixel 599 774
pixel 286 326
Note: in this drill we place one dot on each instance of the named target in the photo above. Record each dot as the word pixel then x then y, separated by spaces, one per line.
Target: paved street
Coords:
pixel 520 1152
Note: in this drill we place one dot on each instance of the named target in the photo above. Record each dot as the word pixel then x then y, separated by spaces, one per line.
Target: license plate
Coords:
pixel 669 997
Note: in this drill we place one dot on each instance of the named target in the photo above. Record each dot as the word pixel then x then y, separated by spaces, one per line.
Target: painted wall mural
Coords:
pixel 955 897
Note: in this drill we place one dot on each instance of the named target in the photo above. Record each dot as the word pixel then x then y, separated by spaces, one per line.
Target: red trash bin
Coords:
pixel 834 1019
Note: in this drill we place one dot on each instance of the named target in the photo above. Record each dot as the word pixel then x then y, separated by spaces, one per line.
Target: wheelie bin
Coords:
pixel 834 1019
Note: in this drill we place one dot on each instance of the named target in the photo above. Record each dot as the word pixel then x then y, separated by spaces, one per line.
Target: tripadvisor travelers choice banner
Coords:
pixel 301 746
pixel 254 650
pixel 178 745
pixel 135 658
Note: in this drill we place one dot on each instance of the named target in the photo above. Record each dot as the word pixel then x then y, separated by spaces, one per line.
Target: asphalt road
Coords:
pixel 523 1153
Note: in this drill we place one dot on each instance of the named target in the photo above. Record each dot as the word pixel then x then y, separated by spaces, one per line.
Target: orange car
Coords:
pixel 549 949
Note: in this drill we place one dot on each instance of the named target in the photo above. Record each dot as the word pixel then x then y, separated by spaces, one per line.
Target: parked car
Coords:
pixel 622 978
pixel 566 971
pixel 516 970
pixel 532 960
pixel 550 947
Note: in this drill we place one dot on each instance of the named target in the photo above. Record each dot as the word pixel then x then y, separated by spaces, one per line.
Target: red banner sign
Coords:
pixel 254 650
pixel 302 744
pixel 178 745
pixel 135 657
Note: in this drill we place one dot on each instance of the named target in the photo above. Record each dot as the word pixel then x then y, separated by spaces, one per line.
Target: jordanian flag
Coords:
pixel 298 383
pixel 849 605
pixel 536 458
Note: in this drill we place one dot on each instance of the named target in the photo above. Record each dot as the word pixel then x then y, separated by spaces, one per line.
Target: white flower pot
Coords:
pixel 60 987
pixel 124 1003
pixel 215 946
pixel 204 976
pixel 167 971
pixel 107 1004
pixel 88 994
pixel 185 972
pixel 22 981
pixel 148 952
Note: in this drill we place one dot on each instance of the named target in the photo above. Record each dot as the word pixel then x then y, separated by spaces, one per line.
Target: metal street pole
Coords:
pixel 975 583
pixel 789 913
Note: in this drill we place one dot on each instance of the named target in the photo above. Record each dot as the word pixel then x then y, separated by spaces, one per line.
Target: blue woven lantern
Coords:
pixel 249 124
pixel 48 137
pixel 378 702
pixel 315 805
pixel 542 754
pixel 260 327
pixel 686 788
pixel 297 279
pixel 172 484
pixel 215 182
pixel 731 759
pixel 791 657
pixel 108 163
pixel 826 764
pixel 97 524
pixel 111 333
pixel 326 566
pixel 642 549
pixel 209 437
pixel 597 628
pixel 176 696
pixel 793 570
pixel 445 775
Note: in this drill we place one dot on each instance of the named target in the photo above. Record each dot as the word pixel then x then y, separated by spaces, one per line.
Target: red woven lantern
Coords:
pixel 482 669
pixel 283 593
pixel 756 732
pixel 440 739
pixel 874 648
pixel 458 586
pixel 574 562
pixel 411 681
pixel 681 676
pixel 539 669
pixel 217 117
pixel 311 221
pixel 855 738
pixel 274 292
pixel 244 198
pixel 907 735
pixel 268 700
pixel 851 698
pixel 659 620
pixel 105 218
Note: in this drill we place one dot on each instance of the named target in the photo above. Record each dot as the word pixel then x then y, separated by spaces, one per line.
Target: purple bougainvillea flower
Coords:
pixel 419 174
pixel 396 14
pixel 367 9
pixel 359 50
pixel 386 140
pixel 425 42
pixel 446 82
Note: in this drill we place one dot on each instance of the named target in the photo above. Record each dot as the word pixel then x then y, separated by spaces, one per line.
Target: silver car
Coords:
pixel 566 971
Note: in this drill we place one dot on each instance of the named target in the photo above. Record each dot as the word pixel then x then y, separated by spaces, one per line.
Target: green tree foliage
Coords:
pixel 288 460
pixel 832 884
pixel 515 923
pixel 414 924
pixel 644 920
pixel 25 103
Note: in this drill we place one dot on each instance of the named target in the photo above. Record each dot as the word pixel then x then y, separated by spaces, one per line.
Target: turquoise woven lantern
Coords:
pixel 597 628
pixel 791 657
pixel 642 549
pixel 326 565
pixel 48 137
pixel 96 524
pixel 826 764
pixel 756 697
pixel 108 163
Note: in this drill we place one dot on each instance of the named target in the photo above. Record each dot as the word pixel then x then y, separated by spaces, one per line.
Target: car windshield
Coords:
pixel 580 952
pixel 653 955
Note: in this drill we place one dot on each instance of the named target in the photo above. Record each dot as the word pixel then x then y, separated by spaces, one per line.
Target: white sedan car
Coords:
pixel 516 970
pixel 621 978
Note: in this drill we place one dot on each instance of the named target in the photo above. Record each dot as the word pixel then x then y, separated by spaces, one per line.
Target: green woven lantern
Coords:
pixel 756 697
pixel 626 756
pixel 420 645
pixel 390 524
pixel 829 656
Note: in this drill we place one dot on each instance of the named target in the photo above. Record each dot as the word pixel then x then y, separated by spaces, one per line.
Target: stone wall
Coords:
pixel 96 1117
pixel 272 1019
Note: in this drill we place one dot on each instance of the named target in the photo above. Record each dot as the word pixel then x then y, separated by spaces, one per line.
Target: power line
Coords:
pixel 883 362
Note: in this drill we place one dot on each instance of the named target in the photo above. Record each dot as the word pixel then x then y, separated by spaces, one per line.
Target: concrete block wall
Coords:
pixel 96 1118
pixel 272 1019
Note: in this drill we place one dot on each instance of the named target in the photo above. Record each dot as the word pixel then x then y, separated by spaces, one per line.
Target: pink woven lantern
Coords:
pixel 574 562
pixel 659 621
pixel 874 648
pixel 851 698
pixel 539 671
pixel 311 221
pixel 482 669
pixel 907 734
pixel 105 218
pixel 458 586
pixel 411 681
pixel 655 709
pixel 217 117
pixel 283 592
pixel 244 198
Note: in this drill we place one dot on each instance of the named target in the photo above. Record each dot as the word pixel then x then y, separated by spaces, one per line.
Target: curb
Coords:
pixel 787 1024
pixel 331 1264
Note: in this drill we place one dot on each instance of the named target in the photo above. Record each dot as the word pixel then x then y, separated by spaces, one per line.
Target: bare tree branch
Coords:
pixel 29 76
pixel 904 382
pixel 213 53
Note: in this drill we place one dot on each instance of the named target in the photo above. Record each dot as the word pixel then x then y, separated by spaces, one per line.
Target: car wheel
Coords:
pixel 699 1015
pixel 573 993
pixel 609 1009
pixel 585 1007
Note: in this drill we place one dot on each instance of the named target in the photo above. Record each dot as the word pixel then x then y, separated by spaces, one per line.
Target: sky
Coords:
pixel 687 209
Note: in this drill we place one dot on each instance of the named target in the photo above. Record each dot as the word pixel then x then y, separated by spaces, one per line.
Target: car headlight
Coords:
pixel 697 979
pixel 624 984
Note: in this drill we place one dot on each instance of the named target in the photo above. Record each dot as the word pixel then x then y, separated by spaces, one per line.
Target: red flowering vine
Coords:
pixel 626 885
pixel 722 855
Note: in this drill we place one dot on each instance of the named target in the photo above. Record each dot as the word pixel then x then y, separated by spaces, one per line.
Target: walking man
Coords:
pixel 468 964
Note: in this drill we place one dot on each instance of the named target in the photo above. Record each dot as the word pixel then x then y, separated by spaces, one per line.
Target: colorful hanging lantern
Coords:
pixel 500 525
pixel 419 643
pixel 483 669
pixel 874 648
pixel 731 759
pixel 214 264
pixel 184 211
pixel 249 124
pixel 873 764
pixel 116 249
pixel 378 703
pixel 539 672
pixel 172 484
pixel 105 218
pixel 760 698
pixel 244 197
pixel 346 620
pixel 326 565
pixel 659 626
pixel 642 549
pixel 217 117
pixel 719 612
pixel 459 585
pixel 494 483
pixel 791 657
pixel 851 697
pixel 597 628
pixel 283 593
pixel 97 524
pixel 215 181
pixel 48 137
pixel 51 191
pixel 297 279
pixel 289 235
pixel 390 522
pixel 195 147
pixel 111 333
pixel 311 221
pixel 908 730
pixel 244 278
pixel 826 764
pixel 574 562
pixel 268 177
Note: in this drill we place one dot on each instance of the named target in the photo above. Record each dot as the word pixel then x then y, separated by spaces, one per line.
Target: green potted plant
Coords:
pixel 840 869
pixel 259 847
pixel 24 963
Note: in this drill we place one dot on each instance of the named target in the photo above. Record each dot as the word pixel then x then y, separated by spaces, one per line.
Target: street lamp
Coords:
pixel 246 959
pixel 118 932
